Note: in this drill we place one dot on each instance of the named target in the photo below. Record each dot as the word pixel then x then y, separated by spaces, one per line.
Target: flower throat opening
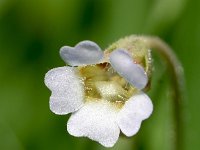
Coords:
pixel 101 81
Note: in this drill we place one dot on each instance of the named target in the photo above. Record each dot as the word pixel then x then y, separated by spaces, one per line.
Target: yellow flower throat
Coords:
pixel 101 81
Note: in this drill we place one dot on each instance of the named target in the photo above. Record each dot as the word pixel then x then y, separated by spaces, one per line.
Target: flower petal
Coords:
pixel 84 53
pixel 135 110
pixel 67 90
pixel 96 120
pixel 122 62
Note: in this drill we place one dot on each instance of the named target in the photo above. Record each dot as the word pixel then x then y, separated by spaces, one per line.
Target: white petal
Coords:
pixel 84 53
pixel 136 109
pixel 122 62
pixel 67 90
pixel 96 120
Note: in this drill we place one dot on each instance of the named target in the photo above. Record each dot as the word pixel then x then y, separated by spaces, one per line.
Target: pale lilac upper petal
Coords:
pixel 67 90
pixel 84 53
pixel 124 64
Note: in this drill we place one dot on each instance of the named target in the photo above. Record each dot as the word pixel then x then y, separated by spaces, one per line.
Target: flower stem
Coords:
pixel 177 80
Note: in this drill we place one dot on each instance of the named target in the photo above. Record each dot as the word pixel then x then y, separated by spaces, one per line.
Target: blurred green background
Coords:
pixel 31 33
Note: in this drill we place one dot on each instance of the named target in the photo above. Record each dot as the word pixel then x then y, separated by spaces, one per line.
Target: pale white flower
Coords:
pixel 103 94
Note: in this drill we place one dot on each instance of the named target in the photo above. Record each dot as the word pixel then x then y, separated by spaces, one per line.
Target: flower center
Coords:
pixel 101 81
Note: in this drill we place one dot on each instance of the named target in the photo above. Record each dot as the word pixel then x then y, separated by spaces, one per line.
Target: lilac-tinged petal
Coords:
pixel 122 62
pixel 84 53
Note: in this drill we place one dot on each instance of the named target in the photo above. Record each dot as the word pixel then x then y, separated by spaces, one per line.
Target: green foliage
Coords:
pixel 31 33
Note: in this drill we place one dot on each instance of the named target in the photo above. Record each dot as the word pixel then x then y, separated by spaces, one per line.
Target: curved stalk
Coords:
pixel 177 80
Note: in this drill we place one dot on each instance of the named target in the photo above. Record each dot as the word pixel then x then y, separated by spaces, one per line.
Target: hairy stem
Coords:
pixel 177 80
